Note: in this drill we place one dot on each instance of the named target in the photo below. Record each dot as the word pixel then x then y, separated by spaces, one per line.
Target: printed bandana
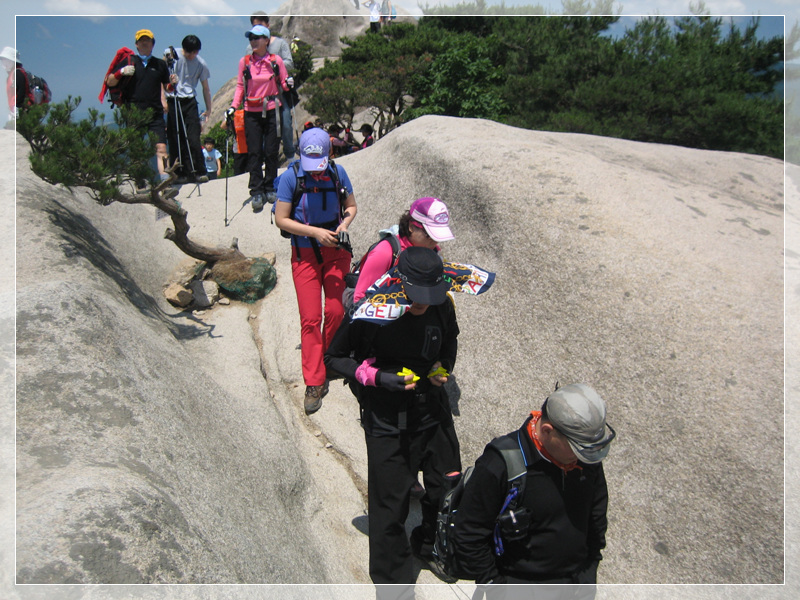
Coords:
pixel 386 301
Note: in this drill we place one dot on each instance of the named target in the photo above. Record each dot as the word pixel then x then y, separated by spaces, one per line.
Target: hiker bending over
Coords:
pixel 317 221
pixel 425 224
pixel 408 425
pixel 564 499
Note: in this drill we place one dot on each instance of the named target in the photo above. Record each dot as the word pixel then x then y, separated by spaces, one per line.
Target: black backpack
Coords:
pixel 301 187
pixel 38 91
pixel 351 279
pixel 511 523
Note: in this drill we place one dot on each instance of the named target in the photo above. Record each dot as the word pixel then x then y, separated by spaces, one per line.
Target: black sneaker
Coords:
pixel 257 202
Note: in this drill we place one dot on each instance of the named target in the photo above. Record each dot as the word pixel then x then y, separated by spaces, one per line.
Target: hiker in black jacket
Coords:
pixel 565 498
pixel 408 425
pixel 151 76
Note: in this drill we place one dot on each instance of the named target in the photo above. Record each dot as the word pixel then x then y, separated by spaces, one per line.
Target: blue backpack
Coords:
pixel 301 187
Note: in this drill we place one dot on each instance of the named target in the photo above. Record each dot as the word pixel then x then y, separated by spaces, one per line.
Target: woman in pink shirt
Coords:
pixel 259 82
pixel 425 224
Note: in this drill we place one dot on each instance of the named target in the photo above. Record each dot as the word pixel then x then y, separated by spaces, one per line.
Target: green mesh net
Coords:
pixel 248 279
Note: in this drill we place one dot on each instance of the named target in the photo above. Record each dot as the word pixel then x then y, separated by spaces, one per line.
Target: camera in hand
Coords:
pixel 170 56
pixel 343 241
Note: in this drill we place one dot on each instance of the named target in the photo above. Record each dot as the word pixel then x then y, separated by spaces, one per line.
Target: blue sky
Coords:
pixel 72 51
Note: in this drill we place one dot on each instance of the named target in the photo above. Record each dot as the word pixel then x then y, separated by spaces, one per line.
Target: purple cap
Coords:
pixel 315 146
pixel 257 30
pixel 433 215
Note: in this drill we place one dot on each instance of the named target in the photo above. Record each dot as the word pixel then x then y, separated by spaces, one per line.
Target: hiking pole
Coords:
pixel 170 56
pixel 227 143
pixel 296 130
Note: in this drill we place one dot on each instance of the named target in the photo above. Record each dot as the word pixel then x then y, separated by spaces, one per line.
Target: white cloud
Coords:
pixel 193 12
pixel 189 19
pixel 44 32
pixel 78 7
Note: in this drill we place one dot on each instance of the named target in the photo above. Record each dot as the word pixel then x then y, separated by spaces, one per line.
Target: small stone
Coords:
pixel 317 433
pixel 225 301
pixel 329 445
pixel 178 295
pixel 206 293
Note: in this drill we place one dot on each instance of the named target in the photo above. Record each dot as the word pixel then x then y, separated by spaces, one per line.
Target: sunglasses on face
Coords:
pixel 596 445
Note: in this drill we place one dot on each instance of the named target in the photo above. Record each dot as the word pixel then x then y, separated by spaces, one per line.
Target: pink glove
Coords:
pixel 366 373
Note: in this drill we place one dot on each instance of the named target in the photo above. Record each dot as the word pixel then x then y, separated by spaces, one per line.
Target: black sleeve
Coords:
pixel 338 355
pixel 473 535
pixel 598 524
pixel 164 71
pixel 449 350
pixel 21 84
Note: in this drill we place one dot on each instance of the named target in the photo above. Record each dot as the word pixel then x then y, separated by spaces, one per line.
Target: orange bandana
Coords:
pixel 537 414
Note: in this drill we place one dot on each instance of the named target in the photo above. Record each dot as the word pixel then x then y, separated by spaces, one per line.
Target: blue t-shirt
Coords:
pixel 309 209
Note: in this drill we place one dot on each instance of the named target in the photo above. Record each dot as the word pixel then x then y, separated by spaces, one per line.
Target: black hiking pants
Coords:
pixel 185 144
pixel 393 464
pixel 262 149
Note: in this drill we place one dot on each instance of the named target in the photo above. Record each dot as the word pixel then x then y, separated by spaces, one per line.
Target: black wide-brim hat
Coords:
pixel 422 273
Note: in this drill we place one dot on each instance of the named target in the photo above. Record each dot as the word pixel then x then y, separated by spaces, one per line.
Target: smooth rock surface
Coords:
pixel 652 272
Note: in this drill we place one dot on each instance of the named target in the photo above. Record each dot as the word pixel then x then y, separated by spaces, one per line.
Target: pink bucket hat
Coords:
pixel 434 217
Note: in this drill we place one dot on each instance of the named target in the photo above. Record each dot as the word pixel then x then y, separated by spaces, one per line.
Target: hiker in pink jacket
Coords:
pixel 260 80
pixel 425 224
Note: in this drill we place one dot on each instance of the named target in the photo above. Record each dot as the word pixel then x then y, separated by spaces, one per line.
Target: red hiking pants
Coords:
pixel 311 279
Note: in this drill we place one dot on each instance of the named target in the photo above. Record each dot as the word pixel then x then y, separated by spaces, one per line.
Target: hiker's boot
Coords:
pixel 314 395
pixel 422 550
pixel 271 197
pixel 257 202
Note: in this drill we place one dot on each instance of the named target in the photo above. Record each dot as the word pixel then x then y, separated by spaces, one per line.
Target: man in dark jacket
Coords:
pixel 151 76
pixel 407 423
pixel 565 498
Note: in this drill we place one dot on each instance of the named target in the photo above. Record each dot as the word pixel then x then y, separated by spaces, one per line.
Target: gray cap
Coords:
pixel 578 412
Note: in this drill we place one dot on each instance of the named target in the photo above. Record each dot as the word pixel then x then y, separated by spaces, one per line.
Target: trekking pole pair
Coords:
pixel 172 56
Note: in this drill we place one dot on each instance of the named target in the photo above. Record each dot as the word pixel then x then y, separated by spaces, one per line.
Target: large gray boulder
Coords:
pixel 144 454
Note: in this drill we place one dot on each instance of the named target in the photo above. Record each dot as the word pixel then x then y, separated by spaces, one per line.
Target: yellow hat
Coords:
pixel 145 32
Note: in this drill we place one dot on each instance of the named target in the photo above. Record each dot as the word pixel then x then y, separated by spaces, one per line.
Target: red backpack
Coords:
pixel 123 91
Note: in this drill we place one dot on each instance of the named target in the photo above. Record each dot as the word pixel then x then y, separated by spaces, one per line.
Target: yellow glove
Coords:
pixel 440 371
pixel 406 371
